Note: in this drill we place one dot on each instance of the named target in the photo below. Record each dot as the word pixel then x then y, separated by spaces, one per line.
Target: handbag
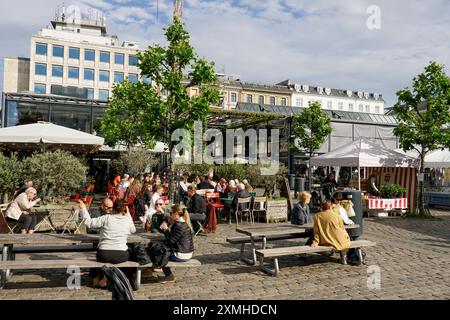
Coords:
pixel 138 253
pixel 349 208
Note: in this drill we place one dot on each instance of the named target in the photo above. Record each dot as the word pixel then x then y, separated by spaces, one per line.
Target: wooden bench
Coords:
pixel 247 239
pixel 86 263
pixel 289 251
pixel 55 248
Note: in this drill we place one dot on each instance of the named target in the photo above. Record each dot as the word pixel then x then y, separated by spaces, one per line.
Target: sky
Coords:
pixel 363 45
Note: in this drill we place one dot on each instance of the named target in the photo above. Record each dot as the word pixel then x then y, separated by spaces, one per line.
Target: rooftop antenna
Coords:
pixel 178 8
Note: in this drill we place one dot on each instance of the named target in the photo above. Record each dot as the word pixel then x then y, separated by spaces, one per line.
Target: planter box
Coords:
pixel 276 211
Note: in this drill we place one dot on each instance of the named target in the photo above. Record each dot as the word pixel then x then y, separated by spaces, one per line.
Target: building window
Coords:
pixel 133 77
pixel 132 60
pixel 119 58
pixel 57 71
pixel 367 108
pixel 40 88
pixel 299 102
pixel 233 97
pixel 40 69
pixel 56 89
pixel 41 49
pixel 74 73
pixel 74 53
pixel 118 77
pixel 330 105
pixel 350 107
pixel 340 105
pixel 146 80
pixel 377 109
pixel 272 101
pixel 58 51
pixel 90 93
pixel 249 98
pixel 103 76
pixel 283 101
pixel 361 108
pixel 89 55
pixel 261 99
pixel 103 95
pixel 105 57
pixel 89 74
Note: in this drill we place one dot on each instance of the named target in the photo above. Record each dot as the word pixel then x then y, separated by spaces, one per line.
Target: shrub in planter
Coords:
pixel 54 173
pixel 11 169
pixel 390 191
pixel 134 161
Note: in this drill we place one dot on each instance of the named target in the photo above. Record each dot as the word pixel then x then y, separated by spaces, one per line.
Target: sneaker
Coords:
pixel 170 278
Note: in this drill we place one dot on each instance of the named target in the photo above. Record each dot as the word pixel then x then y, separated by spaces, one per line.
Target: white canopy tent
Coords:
pixel 160 147
pixel 45 135
pixel 363 153
pixel 435 159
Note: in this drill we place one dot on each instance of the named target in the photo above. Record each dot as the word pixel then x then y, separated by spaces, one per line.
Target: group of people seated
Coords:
pixel 328 224
pixel 19 210
pixel 116 224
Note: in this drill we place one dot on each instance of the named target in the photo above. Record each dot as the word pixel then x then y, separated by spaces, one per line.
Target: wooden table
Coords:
pixel 7 241
pixel 281 229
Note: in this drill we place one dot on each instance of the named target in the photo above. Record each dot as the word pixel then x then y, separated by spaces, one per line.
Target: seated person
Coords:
pixel 205 184
pixel 329 229
pixel 337 208
pixel 301 213
pixel 19 210
pixel 242 193
pixel 179 239
pixel 114 231
pixel 197 205
pixel 157 217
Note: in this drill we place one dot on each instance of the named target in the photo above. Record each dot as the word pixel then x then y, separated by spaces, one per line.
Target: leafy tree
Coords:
pixel 142 113
pixel 423 114
pixel 11 169
pixel 134 161
pixel 54 173
pixel 311 127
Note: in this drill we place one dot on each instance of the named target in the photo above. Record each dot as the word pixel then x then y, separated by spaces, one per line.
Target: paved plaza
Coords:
pixel 413 257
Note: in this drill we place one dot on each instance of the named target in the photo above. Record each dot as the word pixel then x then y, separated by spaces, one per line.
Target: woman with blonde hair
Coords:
pixel 19 210
pixel 301 213
pixel 179 238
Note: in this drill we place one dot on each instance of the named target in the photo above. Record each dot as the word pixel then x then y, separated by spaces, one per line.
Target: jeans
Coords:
pixel 173 258
pixel 28 221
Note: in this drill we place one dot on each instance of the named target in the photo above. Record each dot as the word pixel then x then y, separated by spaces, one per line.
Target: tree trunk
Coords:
pixel 421 194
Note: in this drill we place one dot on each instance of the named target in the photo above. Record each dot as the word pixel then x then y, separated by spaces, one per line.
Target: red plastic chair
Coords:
pixel 89 200
pixel 213 199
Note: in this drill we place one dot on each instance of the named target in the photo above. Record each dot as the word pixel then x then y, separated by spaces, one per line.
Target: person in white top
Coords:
pixel 114 231
pixel 123 186
pixel 336 199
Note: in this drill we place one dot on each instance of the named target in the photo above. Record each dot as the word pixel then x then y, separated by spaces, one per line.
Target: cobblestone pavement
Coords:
pixel 413 257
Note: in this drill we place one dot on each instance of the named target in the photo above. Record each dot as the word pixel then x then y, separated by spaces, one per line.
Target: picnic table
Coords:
pixel 8 241
pixel 278 231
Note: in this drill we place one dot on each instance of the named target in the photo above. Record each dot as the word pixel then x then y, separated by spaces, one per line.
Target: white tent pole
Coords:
pixel 359 178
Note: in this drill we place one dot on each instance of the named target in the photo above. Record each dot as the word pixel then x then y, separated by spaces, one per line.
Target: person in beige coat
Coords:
pixel 329 229
pixel 19 210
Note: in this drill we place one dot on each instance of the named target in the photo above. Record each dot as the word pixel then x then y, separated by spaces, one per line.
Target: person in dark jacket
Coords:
pixel 205 184
pixel 301 213
pixel 197 203
pixel 179 238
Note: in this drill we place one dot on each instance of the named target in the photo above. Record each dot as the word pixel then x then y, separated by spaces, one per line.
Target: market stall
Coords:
pixel 383 164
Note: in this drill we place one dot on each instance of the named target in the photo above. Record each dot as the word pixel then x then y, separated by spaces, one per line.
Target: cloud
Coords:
pixel 320 42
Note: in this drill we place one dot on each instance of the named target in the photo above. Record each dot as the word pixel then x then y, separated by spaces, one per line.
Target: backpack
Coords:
pixel 353 257
pixel 118 284
pixel 139 254
pixel 159 254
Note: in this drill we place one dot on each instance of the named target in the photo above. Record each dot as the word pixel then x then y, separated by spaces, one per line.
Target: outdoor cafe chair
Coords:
pixel 259 206
pixel 10 226
pixel 213 200
pixel 73 222
pixel 246 211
